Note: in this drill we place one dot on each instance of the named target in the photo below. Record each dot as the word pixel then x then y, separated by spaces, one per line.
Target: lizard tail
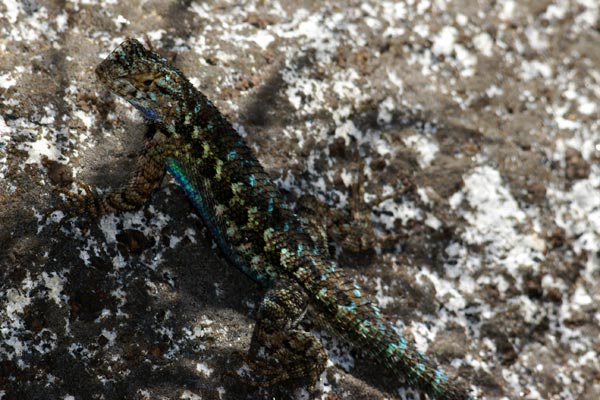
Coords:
pixel 359 320
pixel 401 357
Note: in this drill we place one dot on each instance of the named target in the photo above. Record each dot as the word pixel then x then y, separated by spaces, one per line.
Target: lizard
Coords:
pixel 256 230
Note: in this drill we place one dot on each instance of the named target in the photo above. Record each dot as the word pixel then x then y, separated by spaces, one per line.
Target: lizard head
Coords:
pixel 145 80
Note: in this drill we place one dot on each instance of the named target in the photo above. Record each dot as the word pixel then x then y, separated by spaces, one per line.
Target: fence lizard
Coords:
pixel 254 228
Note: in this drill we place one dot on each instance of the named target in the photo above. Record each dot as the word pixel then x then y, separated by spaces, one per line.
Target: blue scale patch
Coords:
pixel 344 310
pixel 148 113
pixel 232 155
pixel 392 347
pixel 251 180
pixel 401 346
pixel 364 331
pixel 440 376
pixel 375 309
pixel 270 208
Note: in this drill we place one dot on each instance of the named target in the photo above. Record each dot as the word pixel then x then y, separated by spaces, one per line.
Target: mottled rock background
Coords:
pixel 467 132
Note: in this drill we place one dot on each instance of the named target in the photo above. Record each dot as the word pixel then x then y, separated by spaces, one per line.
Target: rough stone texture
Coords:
pixel 482 118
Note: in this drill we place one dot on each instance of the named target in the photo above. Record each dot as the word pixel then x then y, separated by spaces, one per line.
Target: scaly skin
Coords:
pixel 255 229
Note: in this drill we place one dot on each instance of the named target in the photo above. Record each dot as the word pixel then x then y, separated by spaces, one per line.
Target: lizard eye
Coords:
pixel 144 80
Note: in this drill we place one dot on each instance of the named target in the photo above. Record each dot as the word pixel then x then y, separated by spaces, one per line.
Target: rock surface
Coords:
pixel 467 133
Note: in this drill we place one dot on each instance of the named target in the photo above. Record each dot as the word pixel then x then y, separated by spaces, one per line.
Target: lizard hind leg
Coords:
pixel 281 350
pixel 352 230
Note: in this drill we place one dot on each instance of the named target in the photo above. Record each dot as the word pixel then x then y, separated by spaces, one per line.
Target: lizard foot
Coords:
pixel 76 204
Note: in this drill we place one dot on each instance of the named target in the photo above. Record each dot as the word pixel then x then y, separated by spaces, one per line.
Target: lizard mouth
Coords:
pixel 107 69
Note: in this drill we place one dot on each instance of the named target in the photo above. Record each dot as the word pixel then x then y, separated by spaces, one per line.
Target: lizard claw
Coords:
pixel 76 204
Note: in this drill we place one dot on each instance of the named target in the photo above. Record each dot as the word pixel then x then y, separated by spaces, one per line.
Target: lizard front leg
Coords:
pixel 149 172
